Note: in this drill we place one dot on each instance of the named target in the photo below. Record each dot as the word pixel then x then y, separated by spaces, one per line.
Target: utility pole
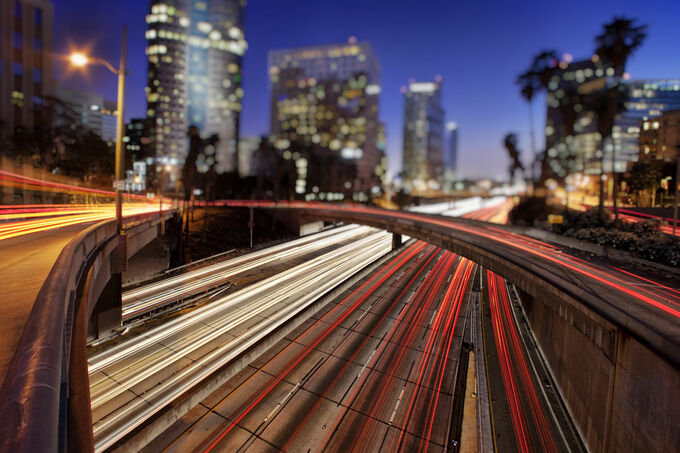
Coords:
pixel 120 151
pixel 677 183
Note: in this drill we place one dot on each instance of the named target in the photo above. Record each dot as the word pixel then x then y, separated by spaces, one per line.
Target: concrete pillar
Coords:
pixel 108 312
pixel 396 241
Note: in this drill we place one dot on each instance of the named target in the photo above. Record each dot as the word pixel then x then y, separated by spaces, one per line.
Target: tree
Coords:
pixel 533 80
pixel 617 42
pixel 510 143
pixel 606 103
pixel 643 180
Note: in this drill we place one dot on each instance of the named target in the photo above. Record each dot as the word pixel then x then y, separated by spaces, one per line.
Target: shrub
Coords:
pixel 642 239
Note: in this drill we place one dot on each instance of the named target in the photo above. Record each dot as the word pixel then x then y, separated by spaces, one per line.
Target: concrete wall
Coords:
pixel 148 262
pixel 622 396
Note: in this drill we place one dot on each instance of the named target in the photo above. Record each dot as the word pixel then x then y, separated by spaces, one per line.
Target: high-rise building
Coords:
pixel 324 115
pixel 570 80
pixel 451 158
pixel 195 48
pixel 91 111
pixel 109 121
pixel 247 146
pixel 423 158
pixel 660 136
pixel 25 62
pixel 645 99
pixel 137 138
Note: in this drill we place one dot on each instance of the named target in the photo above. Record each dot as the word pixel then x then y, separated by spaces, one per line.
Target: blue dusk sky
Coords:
pixel 478 47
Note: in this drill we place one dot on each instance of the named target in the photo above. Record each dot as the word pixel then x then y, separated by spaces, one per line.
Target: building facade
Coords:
pixel 578 150
pixel 195 49
pixel 324 116
pixel 571 143
pixel 137 139
pixel 451 158
pixel 423 157
pixel 109 121
pixel 90 111
pixel 660 136
pixel 25 62
pixel 247 146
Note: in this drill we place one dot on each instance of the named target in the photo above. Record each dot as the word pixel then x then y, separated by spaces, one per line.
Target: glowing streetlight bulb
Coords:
pixel 79 59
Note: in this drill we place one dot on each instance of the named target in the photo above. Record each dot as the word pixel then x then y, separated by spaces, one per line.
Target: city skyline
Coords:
pixel 484 102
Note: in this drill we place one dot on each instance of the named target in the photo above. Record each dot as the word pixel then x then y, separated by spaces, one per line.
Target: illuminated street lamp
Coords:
pixel 81 60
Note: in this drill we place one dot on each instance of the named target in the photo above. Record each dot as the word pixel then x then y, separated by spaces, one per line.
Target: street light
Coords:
pixel 81 60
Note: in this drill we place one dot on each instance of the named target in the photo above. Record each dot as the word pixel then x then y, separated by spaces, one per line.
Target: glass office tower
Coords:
pixel 324 116
pixel 195 49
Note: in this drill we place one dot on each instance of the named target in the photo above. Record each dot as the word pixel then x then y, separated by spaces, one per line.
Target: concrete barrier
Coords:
pixel 35 396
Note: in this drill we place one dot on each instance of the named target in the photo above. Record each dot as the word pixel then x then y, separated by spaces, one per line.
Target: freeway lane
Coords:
pixel 372 371
pixel 138 377
pixel 526 413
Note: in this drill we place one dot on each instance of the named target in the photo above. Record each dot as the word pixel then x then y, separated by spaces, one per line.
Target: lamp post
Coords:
pixel 81 60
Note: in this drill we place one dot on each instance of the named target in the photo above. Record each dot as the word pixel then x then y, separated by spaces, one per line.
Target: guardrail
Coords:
pixel 35 394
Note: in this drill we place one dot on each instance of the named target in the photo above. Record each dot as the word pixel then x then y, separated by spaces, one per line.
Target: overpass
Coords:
pixel 611 339
pixel 45 397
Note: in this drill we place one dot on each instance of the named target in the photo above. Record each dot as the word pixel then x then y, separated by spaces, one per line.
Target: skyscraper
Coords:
pixel 423 158
pixel 645 99
pixel 324 115
pixel 25 62
pixel 195 48
pixel 91 111
pixel 451 158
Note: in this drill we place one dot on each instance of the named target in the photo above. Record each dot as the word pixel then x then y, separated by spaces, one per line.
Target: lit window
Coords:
pixel 204 27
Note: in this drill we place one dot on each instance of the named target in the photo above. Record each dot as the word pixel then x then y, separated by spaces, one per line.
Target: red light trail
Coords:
pixel 599 274
pixel 526 411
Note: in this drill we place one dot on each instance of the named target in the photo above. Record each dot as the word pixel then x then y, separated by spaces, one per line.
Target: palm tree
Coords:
pixel 606 103
pixel 535 79
pixel 510 143
pixel 617 42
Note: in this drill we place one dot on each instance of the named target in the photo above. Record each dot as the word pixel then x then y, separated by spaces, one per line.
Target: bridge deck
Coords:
pixel 25 262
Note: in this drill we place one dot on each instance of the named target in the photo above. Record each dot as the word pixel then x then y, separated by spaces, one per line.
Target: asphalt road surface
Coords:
pixel 373 371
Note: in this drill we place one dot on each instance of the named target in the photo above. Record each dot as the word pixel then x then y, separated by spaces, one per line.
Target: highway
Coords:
pixel 24 264
pixel 144 299
pixel 31 239
pixel 652 302
pixel 526 413
pixel 372 371
pixel 23 219
pixel 134 379
pixel 473 207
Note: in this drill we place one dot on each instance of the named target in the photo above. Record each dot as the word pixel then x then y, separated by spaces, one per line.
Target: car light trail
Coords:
pixel 60 218
pixel 513 241
pixel 421 263
pixel 369 286
pixel 158 294
pixel 19 220
pixel 393 353
pixel 526 410
pixel 204 334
